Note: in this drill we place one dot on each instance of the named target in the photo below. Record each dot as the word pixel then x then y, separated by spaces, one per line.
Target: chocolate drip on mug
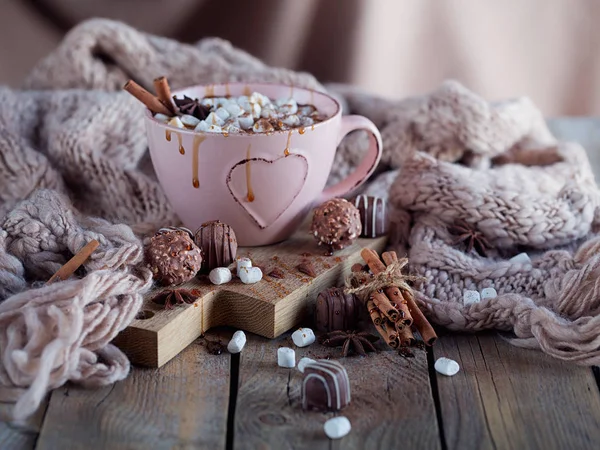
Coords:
pixel 168 135
pixel 179 137
pixel 250 195
pixel 209 91
pixel 247 91
pixel 286 152
pixel 198 139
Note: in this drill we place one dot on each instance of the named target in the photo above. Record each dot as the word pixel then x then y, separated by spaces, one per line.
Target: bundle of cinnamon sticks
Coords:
pixel 392 308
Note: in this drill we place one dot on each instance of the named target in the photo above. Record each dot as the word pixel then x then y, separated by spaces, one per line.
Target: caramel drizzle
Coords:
pixel 209 91
pixel 301 130
pixel 179 137
pixel 227 90
pixel 168 135
pixel 198 139
pixel 247 91
pixel 286 152
pixel 250 195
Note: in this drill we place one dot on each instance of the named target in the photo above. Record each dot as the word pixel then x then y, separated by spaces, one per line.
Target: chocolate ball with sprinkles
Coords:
pixel 172 256
pixel 336 224
pixel 373 215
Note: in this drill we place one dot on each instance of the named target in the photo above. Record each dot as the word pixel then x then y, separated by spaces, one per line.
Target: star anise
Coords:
pixel 193 107
pixel 171 297
pixel 359 342
pixel 472 238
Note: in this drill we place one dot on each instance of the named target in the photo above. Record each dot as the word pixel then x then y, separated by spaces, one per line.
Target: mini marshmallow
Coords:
pixel 250 275
pixel 255 110
pixel 471 297
pixel 210 102
pixel 242 261
pixel 446 366
pixel 306 121
pixel 161 117
pixel 237 342
pixel 286 357
pixel 231 128
pixel 304 362
pixel 176 122
pixel 337 427
pixel 202 126
pixel 306 110
pixel 220 101
pixel 291 120
pixel 289 107
pixel 220 275
pixel 262 126
pixel 488 293
pixel 521 258
pixel 269 113
pixel 234 109
pixel 259 98
pixel 213 119
pixel 189 121
pixel 222 113
pixel 303 337
pixel 246 121
pixel 214 129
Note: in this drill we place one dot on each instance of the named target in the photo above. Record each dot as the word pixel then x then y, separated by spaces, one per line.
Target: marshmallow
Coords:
pixel 269 113
pixel 209 102
pixel 202 126
pixel 259 98
pixel 488 293
pixel 231 128
pixel 222 113
pixel 213 119
pixel 246 121
pixel 242 261
pixel 220 275
pixel 255 110
pixel 471 297
pixel 306 110
pixel 237 342
pixel 189 121
pixel 306 121
pixel 286 357
pixel 250 275
pixel 214 129
pixel 446 366
pixel 176 122
pixel 304 362
pixel 234 109
pixel 303 337
pixel 161 117
pixel 337 428
pixel 521 258
pixel 291 120
pixel 262 126
pixel 289 107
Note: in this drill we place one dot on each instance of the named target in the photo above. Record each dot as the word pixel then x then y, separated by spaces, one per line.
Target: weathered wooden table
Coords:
pixel 503 397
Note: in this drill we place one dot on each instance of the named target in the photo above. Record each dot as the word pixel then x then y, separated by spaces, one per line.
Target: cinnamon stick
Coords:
pixel 406 337
pixel 163 91
pixel 376 316
pixel 383 304
pixel 419 320
pixel 152 102
pixel 399 302
pixel 388 333
pixel 73 264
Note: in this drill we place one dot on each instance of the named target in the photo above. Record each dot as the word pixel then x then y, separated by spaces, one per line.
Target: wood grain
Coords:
pixel 510 398
pixel 182 405
pixel 267 308
pixel 391 406
pixel 21 436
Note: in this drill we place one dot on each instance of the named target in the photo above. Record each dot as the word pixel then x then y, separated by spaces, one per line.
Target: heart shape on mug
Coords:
pixel 256 186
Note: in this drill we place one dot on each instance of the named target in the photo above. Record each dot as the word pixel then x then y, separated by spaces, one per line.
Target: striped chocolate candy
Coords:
pixel 373 215
pixel 325 386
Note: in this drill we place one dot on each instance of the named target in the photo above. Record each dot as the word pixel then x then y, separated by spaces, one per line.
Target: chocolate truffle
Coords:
pixel 325 386
pixel 336 310
pixel 373 215
pixel 336 224
pixel 218 243
pixel 173 257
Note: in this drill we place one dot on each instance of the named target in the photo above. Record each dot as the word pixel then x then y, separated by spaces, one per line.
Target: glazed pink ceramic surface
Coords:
pixel 262 185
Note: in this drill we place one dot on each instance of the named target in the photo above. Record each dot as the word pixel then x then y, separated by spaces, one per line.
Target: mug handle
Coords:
pixel 368 164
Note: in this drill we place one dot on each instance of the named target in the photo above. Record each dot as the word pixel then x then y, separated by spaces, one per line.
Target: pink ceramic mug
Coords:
pixel 262 185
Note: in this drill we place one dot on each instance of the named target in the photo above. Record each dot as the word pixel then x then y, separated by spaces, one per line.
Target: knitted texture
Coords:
pixel 498 167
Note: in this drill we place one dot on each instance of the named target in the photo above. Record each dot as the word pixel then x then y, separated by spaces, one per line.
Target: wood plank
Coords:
pixel 506 397
pixel 182 405
pixel 267 308
pixel 22 436
pixel 391 404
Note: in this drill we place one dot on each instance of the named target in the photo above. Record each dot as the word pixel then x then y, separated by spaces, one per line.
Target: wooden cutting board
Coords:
pixel 268 308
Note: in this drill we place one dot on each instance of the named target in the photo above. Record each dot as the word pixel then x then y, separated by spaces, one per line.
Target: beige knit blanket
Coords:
pixel 74 167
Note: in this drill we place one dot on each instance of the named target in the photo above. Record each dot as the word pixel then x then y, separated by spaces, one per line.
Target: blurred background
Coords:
pixel 546 49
